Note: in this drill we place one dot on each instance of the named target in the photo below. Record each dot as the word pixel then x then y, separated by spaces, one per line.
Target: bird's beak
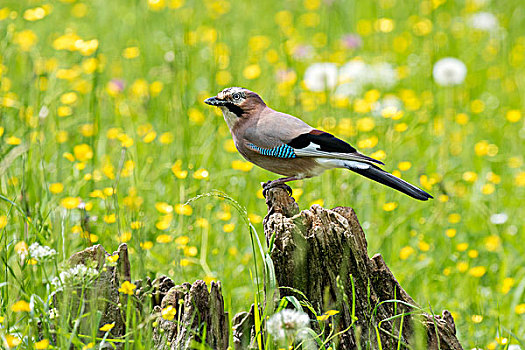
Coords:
pixel 214 101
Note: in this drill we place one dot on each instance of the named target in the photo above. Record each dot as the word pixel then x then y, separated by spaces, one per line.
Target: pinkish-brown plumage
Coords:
pixel 286 145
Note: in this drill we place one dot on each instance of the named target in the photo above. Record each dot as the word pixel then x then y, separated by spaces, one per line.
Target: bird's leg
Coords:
pixel 279 183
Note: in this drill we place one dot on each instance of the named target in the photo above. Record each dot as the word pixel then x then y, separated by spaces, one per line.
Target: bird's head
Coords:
pixel 236 102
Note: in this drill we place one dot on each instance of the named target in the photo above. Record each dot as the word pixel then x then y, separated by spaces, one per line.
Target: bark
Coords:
pixel 323 253
pixel 202 318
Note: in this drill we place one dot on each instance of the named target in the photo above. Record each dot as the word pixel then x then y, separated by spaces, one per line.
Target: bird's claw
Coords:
pixel 271 184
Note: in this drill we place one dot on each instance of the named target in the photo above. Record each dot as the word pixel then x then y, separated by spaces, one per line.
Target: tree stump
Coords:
pixel 323 254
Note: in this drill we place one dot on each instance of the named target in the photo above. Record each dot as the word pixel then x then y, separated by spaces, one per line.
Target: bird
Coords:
pixel 288 146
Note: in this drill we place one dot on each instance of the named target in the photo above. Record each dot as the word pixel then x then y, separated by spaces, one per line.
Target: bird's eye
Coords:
pixel 236 96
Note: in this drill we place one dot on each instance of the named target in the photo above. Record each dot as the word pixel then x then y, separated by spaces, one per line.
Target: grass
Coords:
pixel 101 104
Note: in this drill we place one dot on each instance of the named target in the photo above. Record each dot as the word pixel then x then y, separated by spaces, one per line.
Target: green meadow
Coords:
pixel 105 139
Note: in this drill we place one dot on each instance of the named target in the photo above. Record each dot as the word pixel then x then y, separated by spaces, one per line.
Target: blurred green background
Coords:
pixel 101 107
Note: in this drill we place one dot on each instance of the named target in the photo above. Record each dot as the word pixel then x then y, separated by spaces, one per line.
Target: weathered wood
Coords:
pixel 323 253
pixel 201 312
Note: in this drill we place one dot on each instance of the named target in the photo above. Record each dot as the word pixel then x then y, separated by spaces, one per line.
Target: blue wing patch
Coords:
pixel 283 151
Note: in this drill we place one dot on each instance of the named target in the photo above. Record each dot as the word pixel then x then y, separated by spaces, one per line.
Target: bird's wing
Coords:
pixel 321 144
pixel 283 136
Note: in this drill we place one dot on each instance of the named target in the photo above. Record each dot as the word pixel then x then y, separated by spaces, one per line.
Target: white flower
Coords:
pixel 499 219
pixel 39 252
pixel 321 76
pixel 484 21
pixel 77 275
pixel 382 75
pixel 449 71
pixel 355 72
pixel 287 325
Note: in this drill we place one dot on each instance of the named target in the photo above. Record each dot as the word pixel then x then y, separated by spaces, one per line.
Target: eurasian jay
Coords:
pixel 286 145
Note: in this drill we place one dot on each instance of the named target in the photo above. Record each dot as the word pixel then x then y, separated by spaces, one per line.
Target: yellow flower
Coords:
pixel 34 14
pixel 461 247
pixel 184 262
pixel 477 318
pixel 26 39
pixel 21 306
pixel 135 225
pixel 168 313
pixel 424 246
pixel 519 180
pixel 166 138
pixel 12 341
pixel 155 88
pixel 252 71
pixel 163 208
pixel 184 209
pixel 451 232
pixel 70 202
pixel 514 115
pixel 461 118
pixel 182 240
pixel 110 219
pixel 488 189
pixel 191 251
pixel 404 166
pixel 454 218
pixel 156 5
pixel 64 111
pixel 507 284
pixel 228 227
pixel 56 188
pixel 164 223
pixel 256 219
pixel 462 266
pixel 42 344
pixel 229 146
pixel 125 236
pixel 3 221
pixel 131 52
pixel 389 206
pixel 146 245
pixel 370 142
pixel 13 140
pixel 88 346
pixel 242 165
pixel 481 148
pixel 69 98
pixel 470 176
pixel 196 116
pixel 492 243
pixel 201 174
pixel 406 252
pixel 477 271
pixel 177 170
pixel 112 258
pixel 365 124
pixel 87 130
pixel 520 309
pixel 164 239
pixel 126 288
pixel 83 152
pixel 149 137
pixel 327 315
pixel 202 222
pixel 109 326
